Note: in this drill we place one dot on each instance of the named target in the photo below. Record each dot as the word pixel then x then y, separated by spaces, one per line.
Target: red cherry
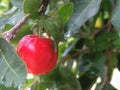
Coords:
pixel 37 53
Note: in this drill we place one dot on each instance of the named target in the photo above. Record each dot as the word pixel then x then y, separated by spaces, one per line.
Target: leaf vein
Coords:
pixel 7 63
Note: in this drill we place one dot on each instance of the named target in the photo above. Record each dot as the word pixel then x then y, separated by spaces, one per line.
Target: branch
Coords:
pixel 43 7
pixel 106 79
pixel 64 59
pixel 95 32
pixel 8 35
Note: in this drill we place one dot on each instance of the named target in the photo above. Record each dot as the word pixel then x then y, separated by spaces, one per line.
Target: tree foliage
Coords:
pixel 85 31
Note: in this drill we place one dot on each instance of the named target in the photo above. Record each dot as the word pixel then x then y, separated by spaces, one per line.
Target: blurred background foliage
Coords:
pixel 87 34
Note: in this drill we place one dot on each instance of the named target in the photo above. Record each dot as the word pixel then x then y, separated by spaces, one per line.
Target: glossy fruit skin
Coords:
pixel 37 53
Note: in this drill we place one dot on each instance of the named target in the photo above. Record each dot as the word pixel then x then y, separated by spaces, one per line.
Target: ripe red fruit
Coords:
pixel 38 54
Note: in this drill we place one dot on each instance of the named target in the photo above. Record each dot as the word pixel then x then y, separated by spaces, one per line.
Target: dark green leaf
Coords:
pixel 54 26
pixel 65 11
pixel 116 43
pixel 59 79
pixel 32 7
pixel 90 67
pixel 92 64
pixel 84 65
pixel 87 82
pixel 98 65
pixel 107 87
pixel 105 40
pixel 12 69
pixel 84 10
pixel 116 16
pixel 106 5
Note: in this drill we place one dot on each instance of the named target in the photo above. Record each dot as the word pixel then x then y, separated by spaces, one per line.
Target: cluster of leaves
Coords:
pixel 89 44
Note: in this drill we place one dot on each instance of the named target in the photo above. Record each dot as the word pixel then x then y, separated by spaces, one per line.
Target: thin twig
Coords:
pixel 43 7
pixel 95 32
pixel 106 79
pixel 108 64
pixel 64 59
pixel 8 35
pixel 33 83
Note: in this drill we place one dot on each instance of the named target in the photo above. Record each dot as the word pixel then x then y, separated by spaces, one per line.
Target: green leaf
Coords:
pixel 116 43
pixel 87 82
pixel 61 48
pixel 106 5
pixel 98 65
pixel 32 7
pixel 54 26
pixel 107 87
pixel 116 16
pixel 59 79
pixel 92 65
pixel 4 5
pixel 12 69
pixel 2 87
pixel 105 40
pixel 65 11
pixel 84 10
pixel 84 64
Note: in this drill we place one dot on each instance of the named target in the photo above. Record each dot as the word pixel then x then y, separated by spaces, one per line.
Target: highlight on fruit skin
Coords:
pixel 37 53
